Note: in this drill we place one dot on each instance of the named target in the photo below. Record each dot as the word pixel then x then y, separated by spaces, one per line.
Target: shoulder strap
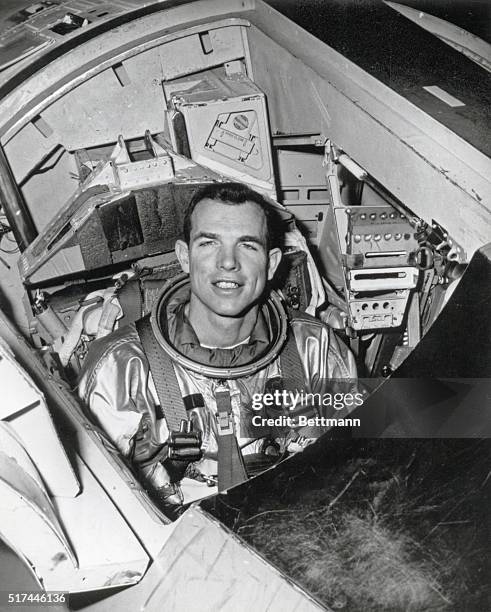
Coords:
pixel 291 364
pixel 163 375
pixel 130 299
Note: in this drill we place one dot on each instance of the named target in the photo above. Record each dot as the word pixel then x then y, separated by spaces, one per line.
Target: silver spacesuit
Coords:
pixel 118 389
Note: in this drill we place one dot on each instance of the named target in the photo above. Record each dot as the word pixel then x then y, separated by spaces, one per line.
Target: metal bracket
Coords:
pixel 129 174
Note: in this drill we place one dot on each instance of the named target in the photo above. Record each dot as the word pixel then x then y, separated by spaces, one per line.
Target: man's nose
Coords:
pixel 227 259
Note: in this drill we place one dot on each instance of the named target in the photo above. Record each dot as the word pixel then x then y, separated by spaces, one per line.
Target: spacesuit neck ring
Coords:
pixel 279 327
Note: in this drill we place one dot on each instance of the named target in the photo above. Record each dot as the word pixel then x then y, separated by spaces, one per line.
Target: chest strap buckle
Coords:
pixel 224 411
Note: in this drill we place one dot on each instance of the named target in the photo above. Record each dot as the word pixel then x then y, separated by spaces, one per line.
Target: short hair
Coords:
pixel 235 194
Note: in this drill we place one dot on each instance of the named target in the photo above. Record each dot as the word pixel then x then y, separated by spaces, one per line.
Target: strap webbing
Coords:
pixel 293 377
pixel 231 468
pixel 130 300
pixel 163 375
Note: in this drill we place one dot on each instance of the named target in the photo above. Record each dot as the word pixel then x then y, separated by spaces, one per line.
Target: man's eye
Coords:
pixel 206 243
pixel 250 246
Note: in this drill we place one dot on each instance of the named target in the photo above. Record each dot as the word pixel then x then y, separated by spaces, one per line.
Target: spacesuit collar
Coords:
pixel 186 341
pixel 177 337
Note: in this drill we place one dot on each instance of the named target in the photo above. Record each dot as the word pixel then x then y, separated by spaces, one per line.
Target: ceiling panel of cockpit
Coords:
pixel 27 29
pixel 17 11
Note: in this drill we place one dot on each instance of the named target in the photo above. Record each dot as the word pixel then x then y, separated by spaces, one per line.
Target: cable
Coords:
pixel 5 229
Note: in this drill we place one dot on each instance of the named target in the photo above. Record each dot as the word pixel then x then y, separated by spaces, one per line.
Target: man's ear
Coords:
pixel 274 258
pixel 182 254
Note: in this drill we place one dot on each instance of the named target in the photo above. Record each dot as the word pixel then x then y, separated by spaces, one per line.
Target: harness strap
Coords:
pixel 130 299
pixel 163 375
pixel 293 378
pixel 231 468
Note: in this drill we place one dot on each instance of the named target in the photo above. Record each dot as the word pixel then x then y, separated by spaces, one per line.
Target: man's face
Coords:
pixel 227 257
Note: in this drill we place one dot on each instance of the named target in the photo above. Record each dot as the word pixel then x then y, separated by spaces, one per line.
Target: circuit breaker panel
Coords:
pixel 379 272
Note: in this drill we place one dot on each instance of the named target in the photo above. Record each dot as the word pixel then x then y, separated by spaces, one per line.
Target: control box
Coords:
pixel 379 266
pixel 226 125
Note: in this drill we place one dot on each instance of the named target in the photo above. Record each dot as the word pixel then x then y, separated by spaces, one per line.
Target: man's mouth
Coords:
pixel 226 284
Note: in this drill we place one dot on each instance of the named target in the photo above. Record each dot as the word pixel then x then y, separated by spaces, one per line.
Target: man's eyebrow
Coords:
pixel 205 235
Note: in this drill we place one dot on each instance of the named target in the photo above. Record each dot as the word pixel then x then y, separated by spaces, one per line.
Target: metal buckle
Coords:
pixel 225 424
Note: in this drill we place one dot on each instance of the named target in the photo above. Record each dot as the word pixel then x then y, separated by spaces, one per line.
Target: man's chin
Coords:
pixel 233 313
pixel 226 308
